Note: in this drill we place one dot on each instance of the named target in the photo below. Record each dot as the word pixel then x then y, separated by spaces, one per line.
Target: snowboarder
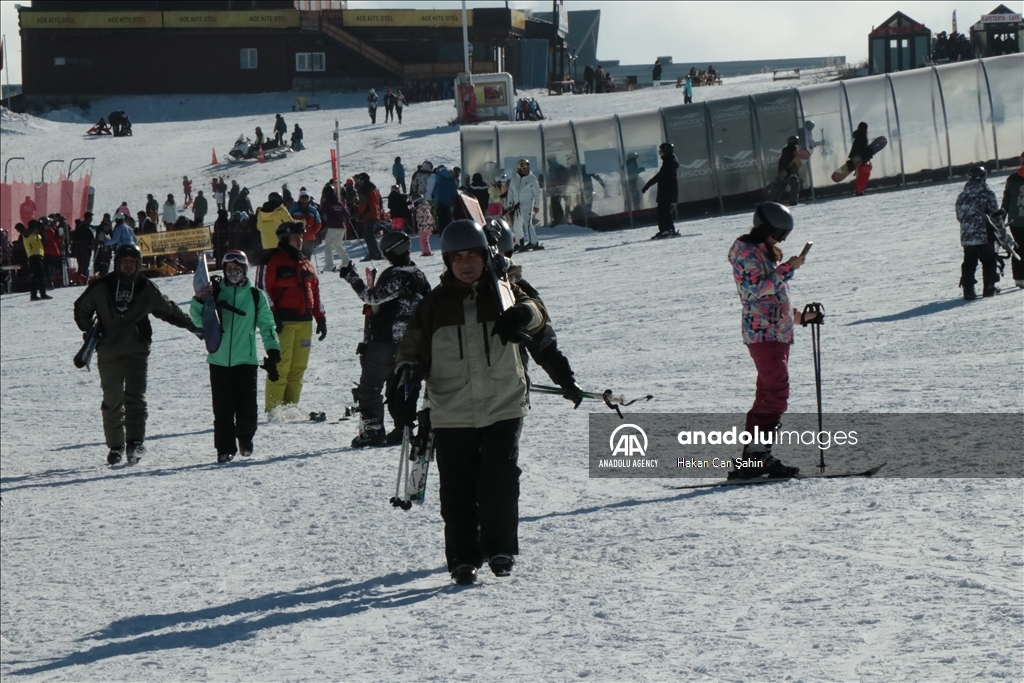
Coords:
pixel 478 399
pixel 293 288
pixel 974 204
pixel 280 128
pixel 1013 204
pixel 862 152
pixel 522 203
pixel 388 305
pixel 243 310
pixel 668 190
pixel 122 301
pixel 767 324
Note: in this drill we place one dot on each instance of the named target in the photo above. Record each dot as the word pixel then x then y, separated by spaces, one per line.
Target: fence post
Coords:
pixel 991 112
pixel 945 122
pixel 899 128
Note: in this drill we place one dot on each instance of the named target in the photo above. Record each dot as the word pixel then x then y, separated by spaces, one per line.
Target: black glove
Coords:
pixel 509 325
pixel 404 393
pixel 345 271
pixel 198 331
pixel 321 328
pixel 270 364
pixel 573 393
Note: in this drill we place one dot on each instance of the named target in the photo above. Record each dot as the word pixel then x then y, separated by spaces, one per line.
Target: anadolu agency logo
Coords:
pixel 628 445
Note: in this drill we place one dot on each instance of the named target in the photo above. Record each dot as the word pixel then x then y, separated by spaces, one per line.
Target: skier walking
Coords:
pixel 478 399
pixel 122 302
pixel 668 190
pixel 243 310
pixel 293 288
pixel 522 203
pixel 862 152
pixel 1013 204
pixel 767 324
pixel 371 105
pixel 974 204
pixel 388 305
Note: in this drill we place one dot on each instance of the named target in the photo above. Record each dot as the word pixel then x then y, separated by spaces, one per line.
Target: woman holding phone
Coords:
pixel 762 282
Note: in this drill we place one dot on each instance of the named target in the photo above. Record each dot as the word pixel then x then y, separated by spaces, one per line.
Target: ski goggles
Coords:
pixel 235 256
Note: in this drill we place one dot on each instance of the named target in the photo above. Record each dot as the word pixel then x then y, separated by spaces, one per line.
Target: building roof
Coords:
pixel 899 23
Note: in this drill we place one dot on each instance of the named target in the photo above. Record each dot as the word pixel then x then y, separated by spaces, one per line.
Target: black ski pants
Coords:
pixel 234 406
pixel 665 223
pixel 368 230
pixel 479 494
pixel 123 380
pixel 378 363
pixel 985 253
pixel 36 275
pixel 1017 264
pixel 83 255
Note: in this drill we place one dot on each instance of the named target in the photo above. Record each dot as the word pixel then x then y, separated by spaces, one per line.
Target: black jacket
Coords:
pixel 392 300
pixel 668 183
pixel 860 147
pixel 788 154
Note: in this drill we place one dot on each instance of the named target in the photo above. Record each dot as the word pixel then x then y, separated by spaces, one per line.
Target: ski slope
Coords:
pixel 293 566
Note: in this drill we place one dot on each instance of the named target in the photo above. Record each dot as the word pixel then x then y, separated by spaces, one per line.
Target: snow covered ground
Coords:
pixel 293 566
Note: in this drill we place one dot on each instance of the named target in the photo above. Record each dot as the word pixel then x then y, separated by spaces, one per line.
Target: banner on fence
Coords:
pixel 173 241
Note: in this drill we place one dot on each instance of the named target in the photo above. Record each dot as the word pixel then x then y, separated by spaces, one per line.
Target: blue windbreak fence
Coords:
pixel 939 121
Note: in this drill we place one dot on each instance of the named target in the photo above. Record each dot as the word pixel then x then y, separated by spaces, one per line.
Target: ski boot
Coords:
pixel 464 575
pixel 395 436
pixel 135 451
pixel 989 291
pixel 776 469
pixel 245 449
pixel 968 287
pixel 501 565
pixel 751 456
pixel 114 456
pixel 370 438
pixel 224 457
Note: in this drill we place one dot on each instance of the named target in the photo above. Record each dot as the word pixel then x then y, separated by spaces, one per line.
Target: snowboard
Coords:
pixel 875 146
pixel 84 356
pixel 211 321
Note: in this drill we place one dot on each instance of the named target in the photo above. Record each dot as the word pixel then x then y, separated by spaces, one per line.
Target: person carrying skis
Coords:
pixel 767 324
pixel 243 310
pixel 1013 204
pixel 122 302
pixel 478 399
pixel 293 289
pixel 388 305
pixel 862 153
pixel 974 205
pixel 668 190
pixel 522 203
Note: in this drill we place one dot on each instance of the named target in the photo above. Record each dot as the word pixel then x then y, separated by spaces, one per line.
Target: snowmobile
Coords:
pixel 245 150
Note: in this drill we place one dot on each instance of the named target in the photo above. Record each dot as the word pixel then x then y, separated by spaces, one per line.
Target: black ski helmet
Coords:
pixel 462 235
pixel 976 173
pixel 127 250
pixel 289 228
pixel 667 147
pixel 776 219
pixel 394 244
pixel 793 140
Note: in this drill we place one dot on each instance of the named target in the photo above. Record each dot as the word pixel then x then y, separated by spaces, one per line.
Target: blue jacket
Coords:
pixel 398 171
pixel 122 235
pixel 445 189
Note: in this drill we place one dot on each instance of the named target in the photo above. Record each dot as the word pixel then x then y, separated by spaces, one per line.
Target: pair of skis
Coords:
pixel 870 472
pixel 414 462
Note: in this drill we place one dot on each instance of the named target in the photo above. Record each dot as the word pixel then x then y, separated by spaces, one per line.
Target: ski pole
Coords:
pixel 403 459
pixel 610 399
pixel 818 312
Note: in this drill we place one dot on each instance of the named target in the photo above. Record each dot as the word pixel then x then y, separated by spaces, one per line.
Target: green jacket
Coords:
pixel 238 344
pixel 131 332
pixel 473 380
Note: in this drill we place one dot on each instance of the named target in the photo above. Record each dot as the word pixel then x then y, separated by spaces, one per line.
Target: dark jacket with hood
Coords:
pixel 668 183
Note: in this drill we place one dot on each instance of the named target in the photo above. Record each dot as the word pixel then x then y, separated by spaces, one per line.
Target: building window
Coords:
pixel 247 58
pixel 59 61
pixel 310 61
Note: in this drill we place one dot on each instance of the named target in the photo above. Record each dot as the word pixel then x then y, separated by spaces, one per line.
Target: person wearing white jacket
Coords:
pixel 170 214
pixel 522 203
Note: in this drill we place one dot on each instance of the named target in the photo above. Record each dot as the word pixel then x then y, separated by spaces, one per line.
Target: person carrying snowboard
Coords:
pixel 862 153
pixel 388 305
pixel 243 310
pixel 292 286
pixel 123 301
pixel 767 324
pixel 668 190
pixel 973 206
pixel 465 346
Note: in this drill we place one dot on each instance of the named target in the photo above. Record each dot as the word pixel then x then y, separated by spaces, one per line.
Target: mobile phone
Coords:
pixel 807 248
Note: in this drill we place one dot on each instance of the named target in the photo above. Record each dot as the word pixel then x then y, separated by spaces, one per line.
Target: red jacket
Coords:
pixel 370 209
pixel 291 284
pixel 51 242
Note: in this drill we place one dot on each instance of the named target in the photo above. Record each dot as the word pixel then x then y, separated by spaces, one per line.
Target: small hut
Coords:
pixel 899 43
pixel 1000 32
